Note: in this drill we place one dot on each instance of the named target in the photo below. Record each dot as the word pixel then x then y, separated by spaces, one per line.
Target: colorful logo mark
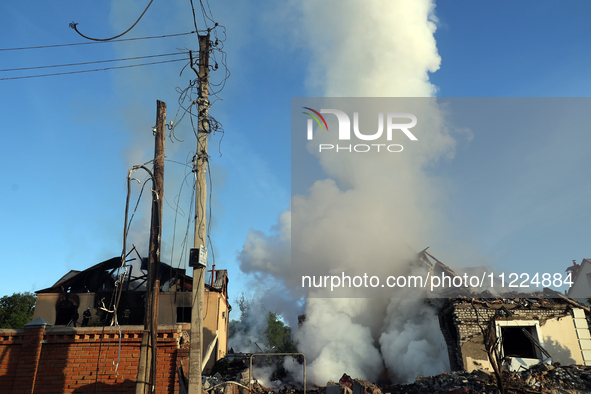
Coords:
pixel 316 118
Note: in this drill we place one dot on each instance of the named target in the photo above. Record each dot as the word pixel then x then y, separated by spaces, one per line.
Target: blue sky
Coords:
pixel 69 140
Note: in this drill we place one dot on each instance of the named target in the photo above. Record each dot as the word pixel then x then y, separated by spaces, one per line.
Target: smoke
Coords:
pixel 336 343
pixel 261 331
pixel 373 210
pixel 137 89
pixel 411 343
pixel 373 48
pixel 269 255
pixel 247 335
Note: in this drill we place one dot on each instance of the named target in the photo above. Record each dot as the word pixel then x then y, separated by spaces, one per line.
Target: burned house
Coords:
pixel 94 288
pixel 527 329
pixel 524 329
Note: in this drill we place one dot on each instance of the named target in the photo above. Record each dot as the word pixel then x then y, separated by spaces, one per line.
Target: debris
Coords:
pixel 362 386
pixel 346 381
pixel 463 390
pixel 541 378
pixel 336 388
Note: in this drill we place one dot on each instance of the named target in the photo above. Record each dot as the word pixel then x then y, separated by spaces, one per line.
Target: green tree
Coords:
pixel 16 310
pixel 259 328
pixel 278 335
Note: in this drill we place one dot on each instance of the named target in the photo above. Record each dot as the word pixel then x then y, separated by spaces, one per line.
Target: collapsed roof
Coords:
pixel 101 277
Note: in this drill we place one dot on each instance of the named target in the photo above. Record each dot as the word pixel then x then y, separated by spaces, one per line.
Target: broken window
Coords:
pixel 521 342
pixel 183 314
pixel 516 342
pixel 66 308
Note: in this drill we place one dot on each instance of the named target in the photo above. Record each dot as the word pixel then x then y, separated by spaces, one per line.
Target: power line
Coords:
pixel 194 19
pixel 93 62
pixel 73 26
pixel 87 71
pixel 95 42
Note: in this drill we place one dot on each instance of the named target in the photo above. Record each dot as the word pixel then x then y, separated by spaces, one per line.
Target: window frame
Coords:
pixel 521 362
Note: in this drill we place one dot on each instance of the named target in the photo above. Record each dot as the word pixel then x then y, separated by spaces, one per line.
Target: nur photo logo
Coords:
pixel 393 125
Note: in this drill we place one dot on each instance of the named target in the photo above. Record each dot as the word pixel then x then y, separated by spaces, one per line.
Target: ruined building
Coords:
pixel 52 354
pixel 525 328
pixel 93 287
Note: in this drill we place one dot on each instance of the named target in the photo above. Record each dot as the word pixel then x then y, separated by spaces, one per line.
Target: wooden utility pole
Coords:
pixel 146 377
pixel 200 168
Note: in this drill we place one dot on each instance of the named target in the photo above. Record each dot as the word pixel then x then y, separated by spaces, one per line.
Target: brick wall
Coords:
pixel 460 325
pixel 83 360
pixel 467 320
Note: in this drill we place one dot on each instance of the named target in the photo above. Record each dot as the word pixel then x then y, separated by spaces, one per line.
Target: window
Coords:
pixel 519 340
pixel 516 343
pixel 183 314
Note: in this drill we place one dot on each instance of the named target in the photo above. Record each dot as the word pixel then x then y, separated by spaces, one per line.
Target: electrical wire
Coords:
pixel 204 13
pixel 178 162
pixel 87 71
pixel 210 219
pixel 185 238
pixel 73 26
pixel 194 19
pixel 136 205
pixel 94 42
pixel 192 97
pixel 93 62
pixel 177 198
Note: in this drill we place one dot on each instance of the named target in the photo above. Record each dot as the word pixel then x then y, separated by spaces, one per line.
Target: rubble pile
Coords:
pixel 218 384
pixel 453 382
pixel 210 382
pixel 238 383
pixel 552 378
pixel 278 388
pixel 542 378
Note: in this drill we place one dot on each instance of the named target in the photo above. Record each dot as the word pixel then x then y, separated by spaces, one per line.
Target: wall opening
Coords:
pixel 66 308
pixel 519 340
pixel 183 314
pixel 516 343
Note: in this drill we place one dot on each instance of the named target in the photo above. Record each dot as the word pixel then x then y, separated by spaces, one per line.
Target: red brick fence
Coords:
pixel 83 360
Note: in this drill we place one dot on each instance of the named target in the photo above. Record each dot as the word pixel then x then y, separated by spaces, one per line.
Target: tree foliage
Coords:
pixel 16 310
pixel 259 329
pixel 278 335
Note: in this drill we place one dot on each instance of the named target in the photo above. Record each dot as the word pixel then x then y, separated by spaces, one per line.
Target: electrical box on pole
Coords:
pixel 198 257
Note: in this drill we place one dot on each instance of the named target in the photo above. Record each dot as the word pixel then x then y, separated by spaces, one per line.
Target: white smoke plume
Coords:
pixel 378 48
pixel 248 333
pixel 374 48
pixel 335 341
pixel 411 343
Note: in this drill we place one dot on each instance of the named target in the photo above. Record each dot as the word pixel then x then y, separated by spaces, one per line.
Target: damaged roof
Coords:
pixel 435 267
pixel 515 300
pixel 99 277
pixel 88 281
